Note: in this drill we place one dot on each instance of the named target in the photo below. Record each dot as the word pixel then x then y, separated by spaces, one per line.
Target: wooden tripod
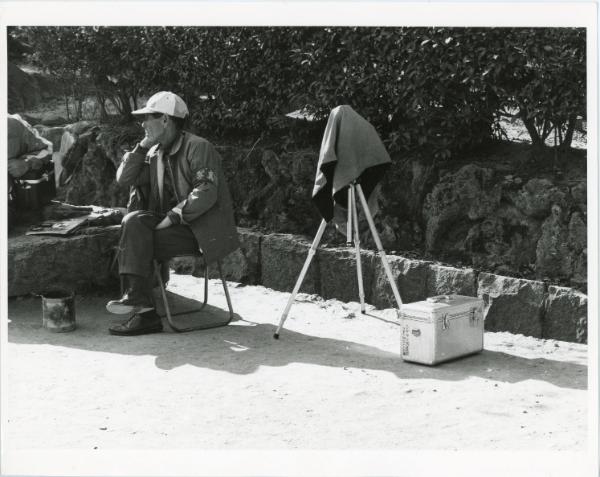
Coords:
pixel 352 231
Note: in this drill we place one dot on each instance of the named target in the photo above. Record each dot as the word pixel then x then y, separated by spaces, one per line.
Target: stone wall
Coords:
pixel 515 305
pixel 83 263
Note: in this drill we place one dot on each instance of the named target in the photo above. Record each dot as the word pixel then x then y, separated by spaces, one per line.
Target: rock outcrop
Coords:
pixel 85 166
pixel 481 214
pixel 503 224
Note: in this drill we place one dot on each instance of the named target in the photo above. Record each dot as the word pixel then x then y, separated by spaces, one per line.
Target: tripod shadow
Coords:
pixel 243 347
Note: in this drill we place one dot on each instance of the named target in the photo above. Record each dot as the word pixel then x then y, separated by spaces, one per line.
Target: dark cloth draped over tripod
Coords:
pixel 351 150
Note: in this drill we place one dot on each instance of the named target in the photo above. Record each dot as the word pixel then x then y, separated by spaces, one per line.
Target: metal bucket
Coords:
pixel 58 308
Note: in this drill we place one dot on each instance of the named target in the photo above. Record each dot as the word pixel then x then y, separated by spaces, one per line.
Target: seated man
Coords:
pixel 187 208
pixel 28 155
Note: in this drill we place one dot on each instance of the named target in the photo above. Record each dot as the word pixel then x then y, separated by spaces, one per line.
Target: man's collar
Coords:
pixel 176 144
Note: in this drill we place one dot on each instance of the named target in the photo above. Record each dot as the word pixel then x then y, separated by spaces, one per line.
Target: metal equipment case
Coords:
pixel 441 328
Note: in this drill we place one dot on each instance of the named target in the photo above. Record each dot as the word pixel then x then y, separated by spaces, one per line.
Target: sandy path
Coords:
pixel 333 381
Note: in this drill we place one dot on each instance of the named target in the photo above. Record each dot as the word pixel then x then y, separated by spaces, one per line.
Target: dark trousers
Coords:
pixel 140 243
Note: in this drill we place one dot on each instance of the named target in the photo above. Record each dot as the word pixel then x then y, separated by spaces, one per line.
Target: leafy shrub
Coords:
pixel 540 74
pixel 429 91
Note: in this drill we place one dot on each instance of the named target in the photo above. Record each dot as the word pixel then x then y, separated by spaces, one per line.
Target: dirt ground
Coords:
pixel 333 381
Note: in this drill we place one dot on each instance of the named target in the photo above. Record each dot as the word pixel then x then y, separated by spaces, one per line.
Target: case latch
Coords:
pixel 473 316
pixel 445 322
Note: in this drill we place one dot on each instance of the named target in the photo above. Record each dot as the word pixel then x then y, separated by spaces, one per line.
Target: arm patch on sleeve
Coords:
pixel 205 176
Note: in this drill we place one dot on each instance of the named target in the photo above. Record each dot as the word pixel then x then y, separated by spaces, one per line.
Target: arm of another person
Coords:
pixel 39 153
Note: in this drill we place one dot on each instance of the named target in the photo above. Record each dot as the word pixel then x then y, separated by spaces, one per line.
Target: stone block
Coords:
pixel 442 280
pixel 243 265
pixel 282 259
pixel 53 134
pixel 565 315
pixel 512 304
pixel 37 264
pixel 410 277
pixel 187 265
pixel 339 277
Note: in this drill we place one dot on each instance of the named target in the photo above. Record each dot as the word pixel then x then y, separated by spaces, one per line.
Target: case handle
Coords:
pixel 439 298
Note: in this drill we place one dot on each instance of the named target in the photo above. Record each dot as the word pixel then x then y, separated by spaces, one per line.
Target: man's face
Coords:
pixel 155 126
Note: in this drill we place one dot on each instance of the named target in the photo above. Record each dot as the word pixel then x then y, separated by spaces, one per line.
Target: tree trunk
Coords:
pixel 566 143
pixel 125 103
pixel 547 129
pixel 101 104
pixel 531 129
pixel 67 106
pixel 134 95
pixel 117 104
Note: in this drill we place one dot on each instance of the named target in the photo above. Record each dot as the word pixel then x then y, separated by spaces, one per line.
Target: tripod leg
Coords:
pixel 361 290
pixel 311 253
pixel 386 265
pixel 349 222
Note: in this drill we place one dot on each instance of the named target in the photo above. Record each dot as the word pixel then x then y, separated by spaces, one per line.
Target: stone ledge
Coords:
pixel 243 265
pixel 38 263
pixel 282 259
pixel 512 304
pixel 339 273
pixel 410 277
pixel 565 316
pixel 442 280
pixel 81 263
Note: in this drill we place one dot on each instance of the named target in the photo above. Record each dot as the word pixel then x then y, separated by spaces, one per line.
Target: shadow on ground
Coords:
pixel 244 346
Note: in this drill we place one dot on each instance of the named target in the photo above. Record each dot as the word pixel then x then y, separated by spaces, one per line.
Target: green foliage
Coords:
pixel 540 74
pixel 430 92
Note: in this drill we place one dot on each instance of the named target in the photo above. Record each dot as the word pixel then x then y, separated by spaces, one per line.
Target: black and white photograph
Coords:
pixel 290 238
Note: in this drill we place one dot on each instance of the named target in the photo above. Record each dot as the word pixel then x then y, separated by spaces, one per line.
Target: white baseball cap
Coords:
pixel 164 102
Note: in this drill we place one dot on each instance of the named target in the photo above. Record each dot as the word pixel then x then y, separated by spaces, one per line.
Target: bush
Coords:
pixel 430 92
pixel 540 74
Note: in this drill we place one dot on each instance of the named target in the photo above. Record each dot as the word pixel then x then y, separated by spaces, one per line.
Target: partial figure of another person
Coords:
pixel 29 157
pixel 184 207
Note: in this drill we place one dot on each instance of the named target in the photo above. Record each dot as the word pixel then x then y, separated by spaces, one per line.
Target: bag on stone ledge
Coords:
pixel 35 189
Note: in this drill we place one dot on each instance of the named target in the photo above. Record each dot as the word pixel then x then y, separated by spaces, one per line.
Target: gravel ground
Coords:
pixel 334 381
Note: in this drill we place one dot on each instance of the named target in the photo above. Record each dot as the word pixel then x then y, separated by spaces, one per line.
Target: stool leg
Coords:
pixel 206 285
pixel 163 293
pixel 168 309
pixel 226 290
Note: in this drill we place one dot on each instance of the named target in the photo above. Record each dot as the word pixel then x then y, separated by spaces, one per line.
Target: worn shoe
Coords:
pixel 137 299
pixel 128 304
pixel 138 324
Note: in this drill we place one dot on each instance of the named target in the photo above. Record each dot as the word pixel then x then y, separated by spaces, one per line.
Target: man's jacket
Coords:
pixel 205 203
